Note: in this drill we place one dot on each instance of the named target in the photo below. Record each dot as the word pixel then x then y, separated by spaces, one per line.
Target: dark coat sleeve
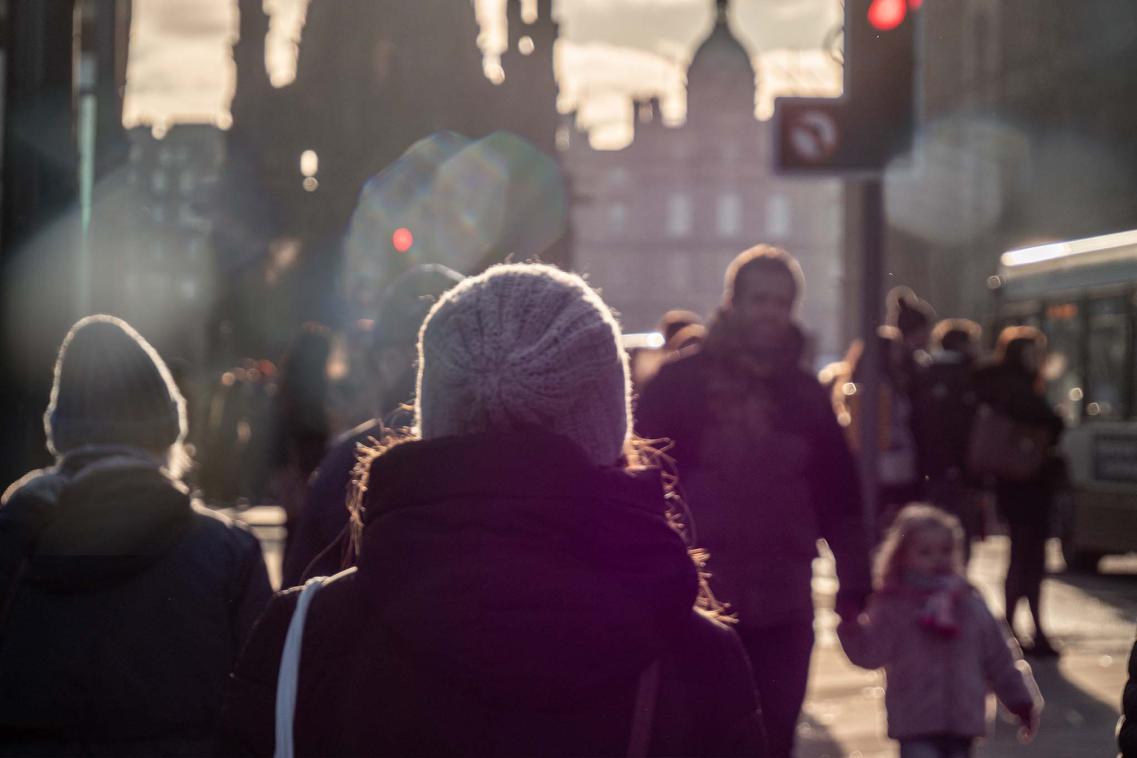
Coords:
pixel 743 733
pixel 252 590
pixel 248 714
pixel 26 508
pixel 708 702
pixel 835 489
pixel 1127 728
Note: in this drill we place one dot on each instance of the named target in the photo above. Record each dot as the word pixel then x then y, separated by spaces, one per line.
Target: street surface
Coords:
pixel 1091 617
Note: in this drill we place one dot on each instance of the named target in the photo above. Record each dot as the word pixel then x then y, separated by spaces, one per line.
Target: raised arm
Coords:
pixel 869 639
pixel 836 495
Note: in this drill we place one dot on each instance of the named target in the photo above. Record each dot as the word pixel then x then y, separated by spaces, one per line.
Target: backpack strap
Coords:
pixel 643 714
pixel 288 678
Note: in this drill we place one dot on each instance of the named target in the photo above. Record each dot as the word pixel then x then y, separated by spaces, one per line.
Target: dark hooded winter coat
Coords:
pixel 945 404
pixel 124 609
pixel 766 471
pixel 1014 394
pixel 507 597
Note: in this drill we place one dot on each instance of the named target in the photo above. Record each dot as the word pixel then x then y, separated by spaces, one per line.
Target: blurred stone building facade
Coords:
pixel 656 224
pixel 373 77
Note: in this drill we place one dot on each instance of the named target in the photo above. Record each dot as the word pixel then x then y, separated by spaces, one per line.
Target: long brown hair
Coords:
pixel 639 454
pixel 1010 352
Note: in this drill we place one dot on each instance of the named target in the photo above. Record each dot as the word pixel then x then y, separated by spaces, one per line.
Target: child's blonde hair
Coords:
pixel 912 520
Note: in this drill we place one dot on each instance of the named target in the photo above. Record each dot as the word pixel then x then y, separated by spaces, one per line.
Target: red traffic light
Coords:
pixel 402 239
pixel 886 15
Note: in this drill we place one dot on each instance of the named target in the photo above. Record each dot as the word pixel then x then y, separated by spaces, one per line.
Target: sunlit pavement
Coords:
pixel 1091 617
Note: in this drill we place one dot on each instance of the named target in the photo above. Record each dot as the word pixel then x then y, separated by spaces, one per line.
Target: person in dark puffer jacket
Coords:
pixel 515 579
pixel 124 603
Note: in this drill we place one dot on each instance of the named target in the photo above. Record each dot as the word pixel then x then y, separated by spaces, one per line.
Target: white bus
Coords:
pixel 1083 295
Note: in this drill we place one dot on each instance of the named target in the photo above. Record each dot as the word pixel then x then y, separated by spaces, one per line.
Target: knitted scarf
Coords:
pixel 741 376
pixel 940 612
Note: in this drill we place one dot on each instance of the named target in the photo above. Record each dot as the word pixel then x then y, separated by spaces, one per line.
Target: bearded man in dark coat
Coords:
pixel 766 471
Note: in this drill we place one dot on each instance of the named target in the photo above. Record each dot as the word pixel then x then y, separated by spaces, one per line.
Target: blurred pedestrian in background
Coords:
pixel 898 458
pixel 767 473
pixel 678 329
pixel 124 603
pixel 520 589
pixel 944 411
pixel 1022 431
pixel 913 318
pixel 675 321
pixel 391 365
pixel 300 422
pixel 235 454
pixel 939 645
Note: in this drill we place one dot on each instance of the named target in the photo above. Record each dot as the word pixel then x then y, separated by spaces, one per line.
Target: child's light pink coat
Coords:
pixel 938 684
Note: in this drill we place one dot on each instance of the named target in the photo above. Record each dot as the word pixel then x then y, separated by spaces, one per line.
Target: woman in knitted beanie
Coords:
pixel 519 588
pixel 124 602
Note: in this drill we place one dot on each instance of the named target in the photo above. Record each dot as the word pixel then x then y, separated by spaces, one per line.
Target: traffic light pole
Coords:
pixel 872 274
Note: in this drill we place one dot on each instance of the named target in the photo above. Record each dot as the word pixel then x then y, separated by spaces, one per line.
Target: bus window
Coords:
pixel 1062 324
pixel 1106 369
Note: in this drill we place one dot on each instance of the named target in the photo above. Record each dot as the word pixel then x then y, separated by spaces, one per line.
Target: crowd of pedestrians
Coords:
pixel 524 551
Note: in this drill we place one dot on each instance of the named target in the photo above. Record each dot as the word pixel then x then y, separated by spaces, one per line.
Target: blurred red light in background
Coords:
pixel 888 14
pixel 402 239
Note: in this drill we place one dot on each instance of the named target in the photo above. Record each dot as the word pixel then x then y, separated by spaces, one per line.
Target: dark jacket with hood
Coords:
pixel 1013 393
pixel 125 604
pixel 945 404
pixel 766 471
pixel 507 597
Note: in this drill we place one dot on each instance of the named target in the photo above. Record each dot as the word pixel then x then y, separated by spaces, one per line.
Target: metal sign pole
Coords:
pixel 872 270
pixel 85 80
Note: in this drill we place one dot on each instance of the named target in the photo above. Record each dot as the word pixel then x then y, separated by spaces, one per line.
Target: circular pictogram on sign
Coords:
pixel 813 135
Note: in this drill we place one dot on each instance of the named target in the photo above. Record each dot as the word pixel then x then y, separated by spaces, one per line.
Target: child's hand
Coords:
pixel 1027 715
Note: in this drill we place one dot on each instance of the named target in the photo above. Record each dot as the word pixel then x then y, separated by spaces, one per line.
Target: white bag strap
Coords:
pixel 289 677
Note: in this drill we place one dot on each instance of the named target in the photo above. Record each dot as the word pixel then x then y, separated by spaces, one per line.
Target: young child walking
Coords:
pixel 941 649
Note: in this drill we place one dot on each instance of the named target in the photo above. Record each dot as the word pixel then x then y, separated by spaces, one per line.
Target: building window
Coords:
pixel 679 215
pixel 729 215
pixel 778 217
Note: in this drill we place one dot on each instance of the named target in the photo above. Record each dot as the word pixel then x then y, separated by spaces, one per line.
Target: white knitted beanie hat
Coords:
pixel 525 345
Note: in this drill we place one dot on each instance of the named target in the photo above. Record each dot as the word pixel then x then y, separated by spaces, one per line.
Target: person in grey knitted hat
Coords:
pixel 112 387
pixel 529 574
pixel 525 345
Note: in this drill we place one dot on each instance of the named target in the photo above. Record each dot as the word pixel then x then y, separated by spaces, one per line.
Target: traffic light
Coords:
pixel 873 121
pixel 880 64
pixel 402 240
